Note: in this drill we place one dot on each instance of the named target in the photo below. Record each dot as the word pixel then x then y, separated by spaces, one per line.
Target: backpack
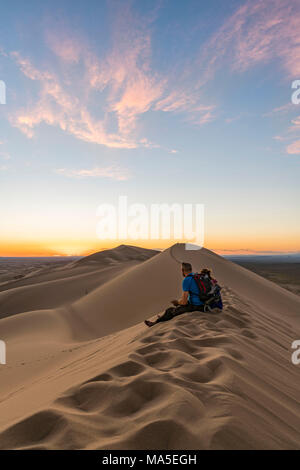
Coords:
pixel 205 286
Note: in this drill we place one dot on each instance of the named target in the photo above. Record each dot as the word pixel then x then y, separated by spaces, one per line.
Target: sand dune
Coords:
pixel 90 375
pixel 56 292
pixel 116 255
pixel 57 286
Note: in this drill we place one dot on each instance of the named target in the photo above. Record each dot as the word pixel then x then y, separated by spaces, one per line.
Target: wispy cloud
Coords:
pixel 125 74
pixel 294 148
pixel 127 86
pixel 5 155
pixel 112 172
pixel 180 101
pixel 123 80
pixel 284 109
pixel 292 130
pixel 257 32
pixel 67 47
pixel 295 124
pixel 58 106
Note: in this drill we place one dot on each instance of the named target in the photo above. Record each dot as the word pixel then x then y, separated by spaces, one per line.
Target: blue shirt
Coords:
pixel 190 285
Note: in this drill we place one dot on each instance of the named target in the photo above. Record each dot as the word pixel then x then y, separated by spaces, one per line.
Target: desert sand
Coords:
pixel 285 274
pixel 84 372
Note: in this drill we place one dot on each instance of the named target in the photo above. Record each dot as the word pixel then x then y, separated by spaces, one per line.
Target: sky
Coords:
pixel 159 101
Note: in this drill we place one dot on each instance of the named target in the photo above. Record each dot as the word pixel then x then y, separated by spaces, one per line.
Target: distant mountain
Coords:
pixel 274 258
pixel 116 255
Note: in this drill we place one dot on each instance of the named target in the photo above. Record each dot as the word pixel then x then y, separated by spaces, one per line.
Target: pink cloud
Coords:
pixel 126 85
pixel 286 108
pixel 125 74
pixel 29 70
pixel 257 32
pixel 182 102
pixel 175 101
pixel 111 172
pixel 295 123
pixel 5 155
pixel 58 107
pixel 207 117
pixel 67 48
pixel 293 148
pixel 137 99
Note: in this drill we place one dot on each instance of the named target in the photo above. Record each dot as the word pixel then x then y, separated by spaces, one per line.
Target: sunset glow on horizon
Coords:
pixel 36 248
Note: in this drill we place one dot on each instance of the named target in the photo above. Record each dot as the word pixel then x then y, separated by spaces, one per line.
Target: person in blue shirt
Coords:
pixel 189 301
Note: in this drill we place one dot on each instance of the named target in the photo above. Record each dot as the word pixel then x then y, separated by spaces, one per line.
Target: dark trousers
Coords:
pixel 172 312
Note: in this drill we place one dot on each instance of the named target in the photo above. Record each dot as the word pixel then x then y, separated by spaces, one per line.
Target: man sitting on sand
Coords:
pixel 189 301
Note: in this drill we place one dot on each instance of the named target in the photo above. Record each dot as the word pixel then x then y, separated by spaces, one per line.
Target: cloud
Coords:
pixel 29 70
pixel 280 110
pixel 257 32
pixel 122 81
pixel 68 48
pixel 293 148
pixel 139 95
pixel 180 101
pixel 124 85
pixel 125 74
pixel 296 123
pixel 112 172
pixel 5 155
pixel 57 106
pixel 176 101
pixel 204 119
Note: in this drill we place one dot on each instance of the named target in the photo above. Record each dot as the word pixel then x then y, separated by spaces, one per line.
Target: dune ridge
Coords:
pixel 56 286
pixel 93 376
